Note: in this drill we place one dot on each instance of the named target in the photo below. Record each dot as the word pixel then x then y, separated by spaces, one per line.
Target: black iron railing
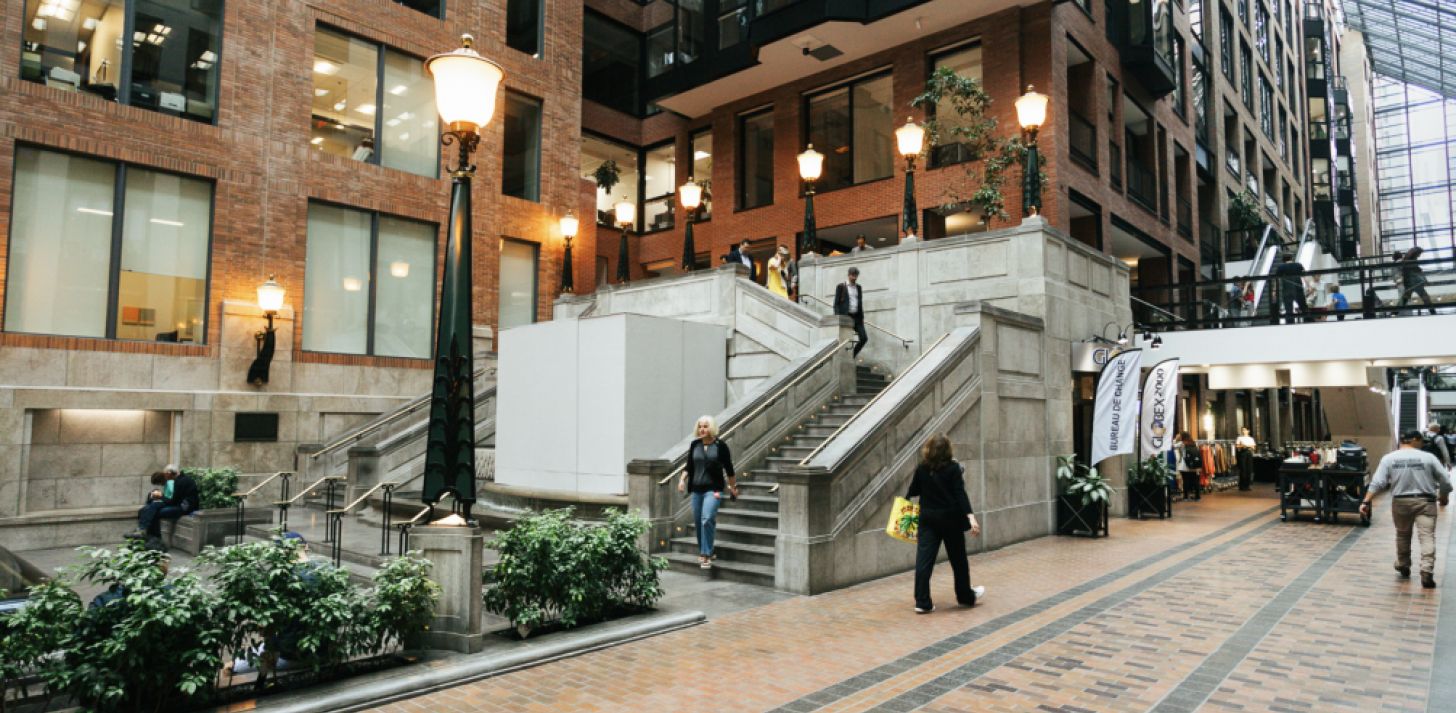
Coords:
pixel 1114 164
pixel 1142 186
pixel 1185 217
pixel 1084 142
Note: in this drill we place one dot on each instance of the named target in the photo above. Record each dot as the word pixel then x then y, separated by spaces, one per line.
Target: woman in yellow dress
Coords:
pixel 777 265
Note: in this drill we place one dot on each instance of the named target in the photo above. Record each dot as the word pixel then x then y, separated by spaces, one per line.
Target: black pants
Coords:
pixel 859 330
pixel 1246 469
pixel 150 517
pixel 934 531
pixel 1416 290
pixel 1288 298
pixel 1192 485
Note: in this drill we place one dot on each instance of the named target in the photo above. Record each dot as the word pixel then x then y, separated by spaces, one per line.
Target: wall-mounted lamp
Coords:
pixel 569 226
pixel 270 300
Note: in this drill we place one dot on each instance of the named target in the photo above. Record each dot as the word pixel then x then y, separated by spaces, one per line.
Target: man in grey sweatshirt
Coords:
pixel 1418 481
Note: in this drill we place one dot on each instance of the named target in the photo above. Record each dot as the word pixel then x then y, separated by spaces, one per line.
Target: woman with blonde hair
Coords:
pixel 945 516
pixel 778 266
pixel 708 472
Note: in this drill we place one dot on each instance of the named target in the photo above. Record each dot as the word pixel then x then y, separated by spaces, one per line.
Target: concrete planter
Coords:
pixel 212 527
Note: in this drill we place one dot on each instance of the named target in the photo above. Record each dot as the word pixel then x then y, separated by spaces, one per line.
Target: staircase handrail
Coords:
pixel 336 517
pixel 240 499
pixel 311 487
pixel 270 477
pixel 1263 262
pixel 384 420
pixel 407 525
pixel 903 341
pixel 396 440
pixel 827 350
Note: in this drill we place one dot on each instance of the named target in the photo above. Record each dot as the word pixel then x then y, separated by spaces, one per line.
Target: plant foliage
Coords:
pixel 607 176
pixel 215 486
pixel 555 570
pixel 1078 480
pixel 1152 471
pixel 1244 212
pixel 974 129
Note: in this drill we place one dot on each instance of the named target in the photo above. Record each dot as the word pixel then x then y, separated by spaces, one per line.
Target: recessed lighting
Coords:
pixel 365 109
pixel 353 284
pixel 399 268
pixel 325 67
pixel 406 116
pixel 94 211
pixel 317 140
pixel 39 24
pixel 163 221
pixel 398 89
pixel 340 104
pixel 404 137
pixel 320 92
pixel 392 123
pixel 700 155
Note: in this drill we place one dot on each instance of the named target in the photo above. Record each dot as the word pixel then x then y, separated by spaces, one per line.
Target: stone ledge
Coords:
pixel 500 657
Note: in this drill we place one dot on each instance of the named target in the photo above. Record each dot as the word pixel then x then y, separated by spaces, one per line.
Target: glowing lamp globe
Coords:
pixel 811 164
pixel 626 212
pixel 691 195
pixel 270 295
pixel 910 138
pixel 465 86
pixel 1031 109
pixel 569 225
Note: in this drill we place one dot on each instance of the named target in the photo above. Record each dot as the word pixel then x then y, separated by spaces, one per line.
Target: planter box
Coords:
pixel 1146 499
pixel 212 527
pixel 1075 519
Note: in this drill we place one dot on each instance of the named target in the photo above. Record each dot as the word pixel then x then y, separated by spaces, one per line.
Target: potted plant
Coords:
pixel 1147 488
pixel 1082 499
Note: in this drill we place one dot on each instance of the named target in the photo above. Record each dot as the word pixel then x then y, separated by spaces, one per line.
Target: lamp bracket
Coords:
pixel 467 141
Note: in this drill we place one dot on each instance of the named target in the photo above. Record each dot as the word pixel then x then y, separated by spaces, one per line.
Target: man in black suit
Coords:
pixel 1290 276
pixel 849 299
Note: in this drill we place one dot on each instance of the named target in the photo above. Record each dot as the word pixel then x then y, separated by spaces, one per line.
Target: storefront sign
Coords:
pixel 1160 401
pixel 1090 357
pixel 1114 417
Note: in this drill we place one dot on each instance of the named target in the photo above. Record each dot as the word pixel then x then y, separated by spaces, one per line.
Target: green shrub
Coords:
pixel 1152 471
pixel 28 635
pixel 403 602
pixel 215 486
pixel 1078 480
pixel 554 570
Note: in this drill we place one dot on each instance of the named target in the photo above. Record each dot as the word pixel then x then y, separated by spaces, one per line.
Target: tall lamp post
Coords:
pixel 691 196
pixel 811 166
pixel 911 139
pixel 1031 111
pixel 626 218
pixel 569 226
pixel 465 93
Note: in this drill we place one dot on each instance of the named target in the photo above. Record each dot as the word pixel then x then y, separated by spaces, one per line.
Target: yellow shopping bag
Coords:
pixel 904 520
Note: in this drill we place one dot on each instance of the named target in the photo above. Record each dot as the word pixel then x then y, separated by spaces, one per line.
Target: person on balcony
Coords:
pixel 1291 289
pixel 945 517
pixel 778 281
pixel 708 472
pixel 1413 278
pixel 849 300
pixel 1418 482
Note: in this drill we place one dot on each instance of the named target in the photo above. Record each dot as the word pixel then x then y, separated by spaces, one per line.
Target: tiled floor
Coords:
pixel 1223 608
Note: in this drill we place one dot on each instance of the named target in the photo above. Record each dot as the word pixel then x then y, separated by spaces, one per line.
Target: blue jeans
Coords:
pixel 150 518
pixel 705 519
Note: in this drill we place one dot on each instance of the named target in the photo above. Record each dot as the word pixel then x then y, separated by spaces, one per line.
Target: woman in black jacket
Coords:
pixel 945 516
pixel 709 471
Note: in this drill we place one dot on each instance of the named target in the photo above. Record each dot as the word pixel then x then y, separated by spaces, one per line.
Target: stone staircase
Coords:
pixel 749 526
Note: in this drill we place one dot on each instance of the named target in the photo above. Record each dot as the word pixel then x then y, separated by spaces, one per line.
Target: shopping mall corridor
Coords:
pixel 1222 608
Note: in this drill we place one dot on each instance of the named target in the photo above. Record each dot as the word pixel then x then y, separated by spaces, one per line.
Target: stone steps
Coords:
pixel 761 575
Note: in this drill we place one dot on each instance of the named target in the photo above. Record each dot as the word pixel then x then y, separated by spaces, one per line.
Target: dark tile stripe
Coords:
pixel 1443 687
pixel 880 674
pixel 970 671
pixel 1204 680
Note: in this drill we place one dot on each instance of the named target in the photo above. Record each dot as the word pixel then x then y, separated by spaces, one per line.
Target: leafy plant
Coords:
pixel 403 601
pixel 607 176
pixel 554 570
pixel 28 636
pixel 1243 211
pixel 1076 479
pixel 215 486
pixel 148 642
pixel 1152 471
pixel 975 130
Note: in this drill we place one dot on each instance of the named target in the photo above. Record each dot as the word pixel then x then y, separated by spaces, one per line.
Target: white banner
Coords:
pixel 1159 403
pixel 1114 420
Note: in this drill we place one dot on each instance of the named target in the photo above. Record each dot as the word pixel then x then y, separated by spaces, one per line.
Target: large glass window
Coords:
pixel 611 62
pixel 1226 42
pixel 732 22
pixel 66 226
pixel 691 28
pixel 755 160
pixel 660 53
pixel 352 79
pixel 1266 107
pixel 1246 75
pixel 521 155
pixel 703 170
pixel 595 153
pixel 659 183
pixel 369 283
pixel 518 267
pixel 172 57
pixel 853 127
pixel 965 62
pixel 1180 96
pixel 523 25
pixel 1261 29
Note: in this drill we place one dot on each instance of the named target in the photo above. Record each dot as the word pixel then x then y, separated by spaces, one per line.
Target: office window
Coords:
pixel 595 152
pixel 755 159
pixel 1246 75
pixel 1180 95
pixel 66 228
pixel 611 62
pixel 173 56
pixel 965 62
pixel 1266 107
pixel 352 79
pixel 1261 29
pixel 1195 18
pixel 732 22
pixel 691 30
pixel 521 154
pixel 1314 58
pixel 519 262
pixel 433 8
pixel 369 283
pixel 1226 42
pixel 703 169
pixel 1243 6
pixel 523 25
pixel 853 127
pixel 660 52
pixel 659 185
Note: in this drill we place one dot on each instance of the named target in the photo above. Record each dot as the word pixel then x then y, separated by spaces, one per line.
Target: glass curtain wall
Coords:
pixel 611 62
pixel 1415 143
pixel 597 151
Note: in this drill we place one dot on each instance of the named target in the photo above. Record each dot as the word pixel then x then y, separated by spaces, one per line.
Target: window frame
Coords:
pixel 374 216
pixel 848 86
pixel 931 59
pixel 535 278
pixel 381 53
pixel 740 159
pixel 540 28
pixel 128 51
pixel 439 16
pixel 702 216
pixel 118 225
pixel 540 146
pixel 643 199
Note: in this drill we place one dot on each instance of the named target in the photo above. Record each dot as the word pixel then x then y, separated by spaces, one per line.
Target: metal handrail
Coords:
pixel 765 403
pixel 310 488
pixel 409 524
pixel 336 516
pixel 241 500
pixel 871 402
pixel 385 420
pixel 1152 306
pixel 903 341
pixel 271 477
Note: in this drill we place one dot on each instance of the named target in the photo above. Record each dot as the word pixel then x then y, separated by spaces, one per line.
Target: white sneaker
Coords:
pixel 922 610
pixel 980 592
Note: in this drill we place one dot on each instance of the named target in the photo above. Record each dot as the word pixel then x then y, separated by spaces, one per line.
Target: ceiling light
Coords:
pixel 399 268
pixel 392 123
pixel 404 137
pixel 353 284
pixel 39 24
pixel 365 109
pixel 317 140
pixel 163 221
pixel 339 105
pixel 325 67
pixel 398 89
pixel 406 116
pixel 700 155
pixel 320 92
pixel 94 211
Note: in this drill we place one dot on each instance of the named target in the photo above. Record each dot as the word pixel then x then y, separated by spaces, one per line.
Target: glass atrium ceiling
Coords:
pixel 1413 41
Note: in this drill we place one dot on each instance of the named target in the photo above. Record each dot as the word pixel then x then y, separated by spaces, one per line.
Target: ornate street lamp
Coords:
pixel 691 196
pixel 911 139
pixel 465 94
pixel 1031 111
pixel 811 166
pixel 626 218
pixel 569 226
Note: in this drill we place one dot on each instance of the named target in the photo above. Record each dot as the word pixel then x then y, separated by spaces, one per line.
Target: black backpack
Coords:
pixel 1192 457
